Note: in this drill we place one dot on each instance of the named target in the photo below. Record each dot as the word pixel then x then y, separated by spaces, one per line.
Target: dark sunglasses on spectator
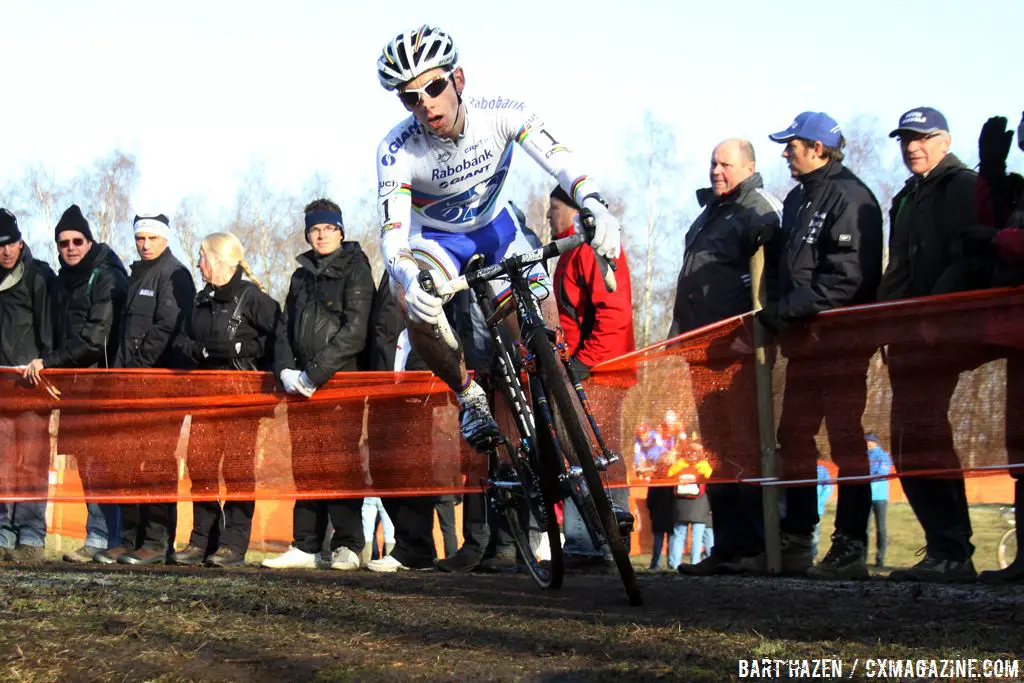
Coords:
pixel 77 241
pixel 411 96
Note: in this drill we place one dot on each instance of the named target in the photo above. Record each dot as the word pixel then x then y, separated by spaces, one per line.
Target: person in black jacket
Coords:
pixel 714 283
pixel 90 295
pixel 323 330
pixel 160 296
pixel 232 328
pixel 832 257
pixel 928 219
pixel 26 332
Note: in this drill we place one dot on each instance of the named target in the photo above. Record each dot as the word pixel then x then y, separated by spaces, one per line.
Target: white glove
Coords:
pixel 305 384
pixel 289 380
pixel 607 238
pixel 422 307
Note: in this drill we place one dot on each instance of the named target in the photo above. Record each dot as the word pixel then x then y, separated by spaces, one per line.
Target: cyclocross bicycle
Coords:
pixel 556 450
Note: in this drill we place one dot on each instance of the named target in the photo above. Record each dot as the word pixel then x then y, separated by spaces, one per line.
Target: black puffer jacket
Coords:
pixel 26 312
pixel 927 219
pixel 325 323
pixel 714 281
pixel 90 298
pixel 215 339
pixel 160 297
pixel 833 244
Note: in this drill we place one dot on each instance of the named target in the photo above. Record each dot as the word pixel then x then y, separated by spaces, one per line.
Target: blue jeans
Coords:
pixel 22 524
pixel 709 541
pixel 677 542
pixel 103 525
pixel 577 537
pixel 371 508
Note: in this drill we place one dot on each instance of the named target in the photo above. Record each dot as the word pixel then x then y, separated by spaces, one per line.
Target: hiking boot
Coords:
pixel 293 558
pixel 476 423
pixel 26 553
pixel 343 559
pixel 499 563
pixel 844 560
pixel 110 555
pixel 742 564
pixel 709 566
pixel 226 557
pixel 462 561
pixel 86 553
pixel 190 555
pixel 797 553
pixel 143 555
pixel 937 570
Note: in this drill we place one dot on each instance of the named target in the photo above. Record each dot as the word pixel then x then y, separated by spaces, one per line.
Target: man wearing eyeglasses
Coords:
pixel 26 332
pixel 928 219
pixel 441 197
pixel 324 330
pixel 91 288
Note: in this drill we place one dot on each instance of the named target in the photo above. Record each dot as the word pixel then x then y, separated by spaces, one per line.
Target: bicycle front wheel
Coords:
pixel 563 404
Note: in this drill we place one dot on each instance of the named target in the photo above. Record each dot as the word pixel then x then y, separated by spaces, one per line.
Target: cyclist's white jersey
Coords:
pixel 431 187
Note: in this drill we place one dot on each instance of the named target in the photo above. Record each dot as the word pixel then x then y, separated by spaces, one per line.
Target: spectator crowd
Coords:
pixel 951 230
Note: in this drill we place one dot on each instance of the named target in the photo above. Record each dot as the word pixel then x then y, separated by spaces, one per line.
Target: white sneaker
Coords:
pixel 344 559
pixel 293 559
pixel 386 564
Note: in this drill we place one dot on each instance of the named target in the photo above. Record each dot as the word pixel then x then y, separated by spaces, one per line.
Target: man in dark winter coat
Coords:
pixel 160 296
pixel 92 285
pixel 26 332
pixel 832 257
pixel 714 283
pixel 323 330
pixel 928 221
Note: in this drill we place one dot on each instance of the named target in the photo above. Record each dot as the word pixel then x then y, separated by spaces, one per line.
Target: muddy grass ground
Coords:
pixel 167 624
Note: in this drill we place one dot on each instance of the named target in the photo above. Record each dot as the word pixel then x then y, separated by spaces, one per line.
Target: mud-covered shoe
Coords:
pixel 462 561
pixel 226 557
pixel 711 565
pixel 86 553
pixel 476 422
pixel 144 556
pixel 844 560
pixel 292 559
pixel 111 555
pixel 26 553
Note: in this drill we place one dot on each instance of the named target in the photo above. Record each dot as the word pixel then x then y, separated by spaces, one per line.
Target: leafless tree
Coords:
pixel 104 192
pixel 189 224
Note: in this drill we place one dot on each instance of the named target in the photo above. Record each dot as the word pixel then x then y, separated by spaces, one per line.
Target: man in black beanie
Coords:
pixel 26 332
pixel 91 290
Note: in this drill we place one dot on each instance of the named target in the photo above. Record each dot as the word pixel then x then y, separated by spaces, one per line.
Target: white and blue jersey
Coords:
pixel 440 201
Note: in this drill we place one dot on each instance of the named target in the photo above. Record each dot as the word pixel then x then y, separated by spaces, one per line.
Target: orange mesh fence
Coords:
pixel 937 397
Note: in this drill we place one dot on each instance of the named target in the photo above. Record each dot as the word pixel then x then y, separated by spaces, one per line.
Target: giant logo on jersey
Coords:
pixel 399 140
pixel 467 206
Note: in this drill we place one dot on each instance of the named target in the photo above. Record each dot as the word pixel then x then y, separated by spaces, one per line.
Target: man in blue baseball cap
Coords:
pixel 832 257
pixel 929 219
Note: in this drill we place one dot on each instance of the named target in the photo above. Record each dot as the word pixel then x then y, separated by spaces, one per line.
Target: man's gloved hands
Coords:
pixel 290 381
pixel 422 307
pixel 221 349
pixel 993 147
pixel 581 369
pixel 769 317
pixel 607 240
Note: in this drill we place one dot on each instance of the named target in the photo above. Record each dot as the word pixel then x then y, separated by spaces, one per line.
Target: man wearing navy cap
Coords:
pixel 928 219
pixel 832 257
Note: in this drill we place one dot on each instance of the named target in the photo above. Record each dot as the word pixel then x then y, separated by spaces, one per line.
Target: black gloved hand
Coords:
pixel 760 235
pixel 977 241
pixel 993 148
pixel 772 321
pixel 221 349
pixel 581 369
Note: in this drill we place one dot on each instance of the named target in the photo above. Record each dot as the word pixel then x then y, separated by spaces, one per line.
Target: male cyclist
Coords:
pixel 441 198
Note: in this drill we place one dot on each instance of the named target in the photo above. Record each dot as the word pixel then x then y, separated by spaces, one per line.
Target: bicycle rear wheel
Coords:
pixel 1007 549
pixel 563 405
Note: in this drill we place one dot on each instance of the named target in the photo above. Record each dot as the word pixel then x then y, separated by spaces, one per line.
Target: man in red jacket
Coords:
pixel 598 326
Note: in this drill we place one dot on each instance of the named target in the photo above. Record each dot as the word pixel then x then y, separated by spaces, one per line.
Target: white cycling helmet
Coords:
pixel 414 52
